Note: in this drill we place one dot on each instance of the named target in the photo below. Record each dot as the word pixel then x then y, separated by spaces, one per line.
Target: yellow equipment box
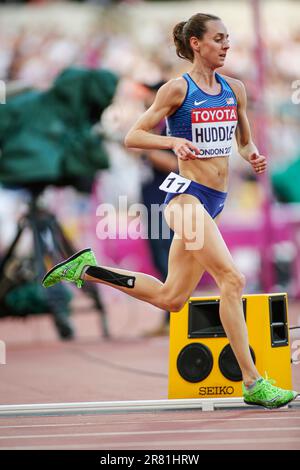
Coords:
pixel 201 361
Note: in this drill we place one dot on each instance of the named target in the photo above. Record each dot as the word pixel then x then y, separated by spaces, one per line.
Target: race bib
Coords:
pixel 213 130
pixel 175 184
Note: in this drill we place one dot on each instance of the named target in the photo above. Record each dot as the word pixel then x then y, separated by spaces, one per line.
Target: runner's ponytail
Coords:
pixel 183 31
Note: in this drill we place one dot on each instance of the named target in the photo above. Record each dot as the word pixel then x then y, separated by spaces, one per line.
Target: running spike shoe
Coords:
pixel 265 394
pixel 71 269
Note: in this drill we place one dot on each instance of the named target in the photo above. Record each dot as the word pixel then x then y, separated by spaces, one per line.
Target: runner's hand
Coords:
pixel 258 163
pixel 184 149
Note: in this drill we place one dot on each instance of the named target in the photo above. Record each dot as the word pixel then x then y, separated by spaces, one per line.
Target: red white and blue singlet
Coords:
pixel 209 121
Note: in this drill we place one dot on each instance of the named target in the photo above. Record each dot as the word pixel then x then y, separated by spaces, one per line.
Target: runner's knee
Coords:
pixel 232 280
pixel 173 303
pixel 176 304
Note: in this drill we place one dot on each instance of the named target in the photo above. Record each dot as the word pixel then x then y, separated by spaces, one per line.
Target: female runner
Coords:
pixel 203 110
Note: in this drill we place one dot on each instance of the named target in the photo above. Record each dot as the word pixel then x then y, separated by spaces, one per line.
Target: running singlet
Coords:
pixel 209 121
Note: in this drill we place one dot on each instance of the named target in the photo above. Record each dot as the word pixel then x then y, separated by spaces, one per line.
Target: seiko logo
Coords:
pixel 219 390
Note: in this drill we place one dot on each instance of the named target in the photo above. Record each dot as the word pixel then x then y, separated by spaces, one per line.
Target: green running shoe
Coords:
pixel 70 269
pixel 264 393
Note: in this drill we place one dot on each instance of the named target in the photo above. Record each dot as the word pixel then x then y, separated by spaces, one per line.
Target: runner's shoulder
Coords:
pixel 237 86
pixel 174 91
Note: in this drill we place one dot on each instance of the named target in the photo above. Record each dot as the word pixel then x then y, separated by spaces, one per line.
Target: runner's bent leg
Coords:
pixel 184 273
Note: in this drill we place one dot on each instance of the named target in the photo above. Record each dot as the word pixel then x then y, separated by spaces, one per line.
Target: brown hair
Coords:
pixel 183 31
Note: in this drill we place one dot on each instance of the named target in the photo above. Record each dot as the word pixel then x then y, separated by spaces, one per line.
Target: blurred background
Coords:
pixel 77 75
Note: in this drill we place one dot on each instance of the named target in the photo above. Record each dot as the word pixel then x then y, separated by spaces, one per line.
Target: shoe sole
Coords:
pixel 79 253
pixel 269 407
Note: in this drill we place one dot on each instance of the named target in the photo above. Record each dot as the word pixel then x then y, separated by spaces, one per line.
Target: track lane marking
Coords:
pixel 120 423
pixel 161 445
pixel 150 433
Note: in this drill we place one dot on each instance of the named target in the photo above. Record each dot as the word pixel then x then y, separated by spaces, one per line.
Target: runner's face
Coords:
pixel 214 46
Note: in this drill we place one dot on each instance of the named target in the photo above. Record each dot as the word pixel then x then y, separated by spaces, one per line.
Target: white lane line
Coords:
pixel 170 445
pixel 20 426
pixel 120 423
pixel 149 433
pixel 205 404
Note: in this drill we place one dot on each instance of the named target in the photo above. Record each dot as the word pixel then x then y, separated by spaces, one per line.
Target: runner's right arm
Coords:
pixel 169 97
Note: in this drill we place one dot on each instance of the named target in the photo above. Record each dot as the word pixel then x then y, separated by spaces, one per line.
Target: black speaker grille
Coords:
pixel 229 366
pixel 278 320
pixel 204 319
pixel 195 362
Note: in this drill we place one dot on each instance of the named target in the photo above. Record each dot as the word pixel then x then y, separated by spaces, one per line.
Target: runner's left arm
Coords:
pixel 246 147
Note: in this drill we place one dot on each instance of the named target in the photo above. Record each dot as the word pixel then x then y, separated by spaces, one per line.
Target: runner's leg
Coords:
pixel 215 258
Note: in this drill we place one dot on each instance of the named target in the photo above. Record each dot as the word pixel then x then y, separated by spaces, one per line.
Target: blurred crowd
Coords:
pixel 32 55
